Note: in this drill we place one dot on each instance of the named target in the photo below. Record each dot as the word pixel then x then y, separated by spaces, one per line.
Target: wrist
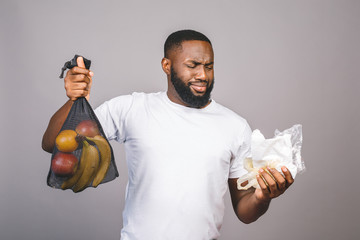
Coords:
pixel 71 101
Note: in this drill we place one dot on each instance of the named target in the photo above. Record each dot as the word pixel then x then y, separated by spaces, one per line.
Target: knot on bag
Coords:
pixel 72 63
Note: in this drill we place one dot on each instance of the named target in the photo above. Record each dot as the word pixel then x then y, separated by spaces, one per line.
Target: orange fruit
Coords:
pixel 66 141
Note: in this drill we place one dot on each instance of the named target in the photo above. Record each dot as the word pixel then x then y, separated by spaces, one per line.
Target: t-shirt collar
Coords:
pixel 185 108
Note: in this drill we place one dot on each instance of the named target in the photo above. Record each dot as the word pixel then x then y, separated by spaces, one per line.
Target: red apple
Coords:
pixel 64 164
pixel 87 128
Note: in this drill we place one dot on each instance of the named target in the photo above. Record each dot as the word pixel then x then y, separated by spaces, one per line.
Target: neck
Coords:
pixel 175 98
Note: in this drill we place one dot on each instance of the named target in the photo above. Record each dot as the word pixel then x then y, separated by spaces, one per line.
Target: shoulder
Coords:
pixel 129 98
pixel 125 103
pixel 145 96
pixel 231 117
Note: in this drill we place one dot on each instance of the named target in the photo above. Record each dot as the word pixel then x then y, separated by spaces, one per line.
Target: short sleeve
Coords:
pixel 242 150
pixel 112 117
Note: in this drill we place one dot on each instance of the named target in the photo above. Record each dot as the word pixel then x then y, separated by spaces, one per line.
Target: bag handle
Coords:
pixel 72 63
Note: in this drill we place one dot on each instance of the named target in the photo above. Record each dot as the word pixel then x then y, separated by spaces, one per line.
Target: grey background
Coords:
pixel 277 63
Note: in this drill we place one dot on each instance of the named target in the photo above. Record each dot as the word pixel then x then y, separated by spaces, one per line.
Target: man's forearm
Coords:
pixel 249 209
pixel 55 124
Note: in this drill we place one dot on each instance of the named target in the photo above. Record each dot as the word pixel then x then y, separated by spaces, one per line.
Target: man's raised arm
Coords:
pixel 77 84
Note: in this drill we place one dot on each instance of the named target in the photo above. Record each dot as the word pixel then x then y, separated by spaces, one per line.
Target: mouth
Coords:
pixel 198 87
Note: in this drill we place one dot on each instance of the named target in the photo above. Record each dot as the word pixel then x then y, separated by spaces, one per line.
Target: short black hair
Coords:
pixel 176 38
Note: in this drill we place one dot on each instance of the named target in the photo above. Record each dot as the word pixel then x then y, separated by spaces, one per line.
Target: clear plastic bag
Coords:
pixel 282 150
pixel 296 142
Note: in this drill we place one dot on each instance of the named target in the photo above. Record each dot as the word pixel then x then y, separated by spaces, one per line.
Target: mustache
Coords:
pixel 201 82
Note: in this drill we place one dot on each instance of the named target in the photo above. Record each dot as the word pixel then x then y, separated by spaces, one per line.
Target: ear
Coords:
pixel 166 65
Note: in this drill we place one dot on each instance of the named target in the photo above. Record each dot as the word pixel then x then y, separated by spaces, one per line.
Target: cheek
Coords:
pixel 210 76
pixel 187 75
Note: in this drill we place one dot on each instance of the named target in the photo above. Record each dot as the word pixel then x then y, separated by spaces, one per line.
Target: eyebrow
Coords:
pixel 199 63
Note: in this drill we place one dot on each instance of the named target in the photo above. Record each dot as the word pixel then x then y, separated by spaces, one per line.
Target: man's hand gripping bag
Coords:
pixel 82 156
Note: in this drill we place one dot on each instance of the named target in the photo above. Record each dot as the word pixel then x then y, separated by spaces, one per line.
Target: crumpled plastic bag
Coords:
pixel 282 150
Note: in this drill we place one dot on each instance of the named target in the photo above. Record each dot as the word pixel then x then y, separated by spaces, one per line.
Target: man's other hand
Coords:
pixel 272 186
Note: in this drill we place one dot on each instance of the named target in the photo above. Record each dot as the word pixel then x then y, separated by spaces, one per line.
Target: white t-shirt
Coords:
pixel 179 160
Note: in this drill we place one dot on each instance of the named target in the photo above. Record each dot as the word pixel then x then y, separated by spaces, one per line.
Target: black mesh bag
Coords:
pixel 82 156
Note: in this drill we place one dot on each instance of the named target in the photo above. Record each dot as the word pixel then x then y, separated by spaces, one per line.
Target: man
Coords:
pixel 182 148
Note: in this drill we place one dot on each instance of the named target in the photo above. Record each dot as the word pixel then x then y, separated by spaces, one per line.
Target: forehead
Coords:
pixel 194 50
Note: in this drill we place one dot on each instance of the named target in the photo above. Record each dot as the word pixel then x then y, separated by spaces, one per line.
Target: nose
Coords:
pixel 201 74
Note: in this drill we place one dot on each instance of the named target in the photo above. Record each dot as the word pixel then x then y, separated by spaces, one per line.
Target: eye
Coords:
pixel 209 67
pixel 191 65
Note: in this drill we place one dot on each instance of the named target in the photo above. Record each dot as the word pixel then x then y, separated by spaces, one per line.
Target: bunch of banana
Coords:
pixel 89 163
pixel 94 164
pixel 105 156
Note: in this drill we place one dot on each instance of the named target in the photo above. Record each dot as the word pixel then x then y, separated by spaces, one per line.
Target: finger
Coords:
pixel 262 185
pixel 77 93
pixel 79 70
pixel 279 178
pixel 288 176
pixel 90 82
pixel 80 78
pixel 80 86
pixel 80 62
pixel 270 181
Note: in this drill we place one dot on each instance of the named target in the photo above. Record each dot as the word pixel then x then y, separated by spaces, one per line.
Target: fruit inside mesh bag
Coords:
pixel 82 156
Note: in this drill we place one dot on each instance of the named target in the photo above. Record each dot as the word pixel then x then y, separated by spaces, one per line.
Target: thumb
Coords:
pixel 80 62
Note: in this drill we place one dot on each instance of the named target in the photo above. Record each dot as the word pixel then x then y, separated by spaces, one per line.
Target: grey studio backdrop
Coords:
pixel 277 63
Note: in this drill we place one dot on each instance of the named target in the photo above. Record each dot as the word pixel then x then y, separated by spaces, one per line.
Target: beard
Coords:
pixel 187 95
